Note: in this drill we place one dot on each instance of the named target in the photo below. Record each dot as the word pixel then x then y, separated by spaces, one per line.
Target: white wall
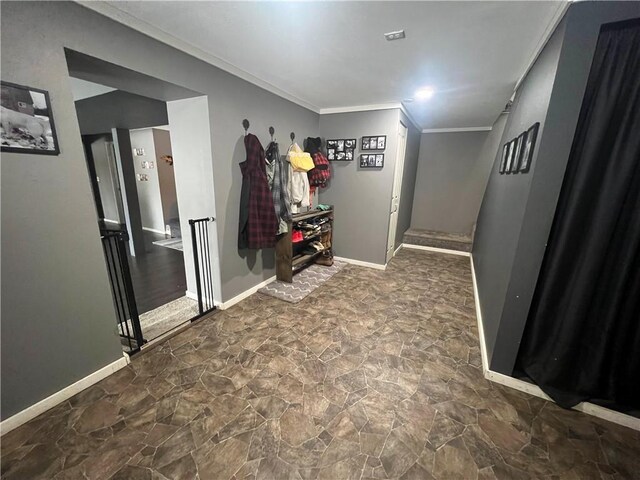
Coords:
pixel 166 175
pixel 148 191
pixel 191 145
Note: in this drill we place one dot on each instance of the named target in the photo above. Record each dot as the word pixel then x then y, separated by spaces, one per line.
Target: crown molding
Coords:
pixel 360 108
pixel 156 33
pixel 459 129
pixel 556 18
pixel 410 117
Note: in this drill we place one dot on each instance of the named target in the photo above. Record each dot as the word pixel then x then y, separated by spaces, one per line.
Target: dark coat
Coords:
pixel 258 222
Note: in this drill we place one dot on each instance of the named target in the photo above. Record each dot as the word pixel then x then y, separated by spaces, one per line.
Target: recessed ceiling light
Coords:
pixel 424 93
pixel 397 35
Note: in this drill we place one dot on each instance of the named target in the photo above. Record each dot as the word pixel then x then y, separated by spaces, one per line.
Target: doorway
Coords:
pixel 397 190
pixel 157 230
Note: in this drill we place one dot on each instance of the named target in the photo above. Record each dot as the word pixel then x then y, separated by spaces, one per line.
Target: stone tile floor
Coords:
pixel 375 375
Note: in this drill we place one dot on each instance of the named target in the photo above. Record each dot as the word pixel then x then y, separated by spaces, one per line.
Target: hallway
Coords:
pixel 375 375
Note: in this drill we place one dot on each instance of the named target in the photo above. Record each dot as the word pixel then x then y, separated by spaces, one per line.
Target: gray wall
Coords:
pixel 450 182
pixel 166 175
pixel 517 210
pixel 119 109
pixel 362 197
pixel 149 196
pixel 408 178
pixel 58 320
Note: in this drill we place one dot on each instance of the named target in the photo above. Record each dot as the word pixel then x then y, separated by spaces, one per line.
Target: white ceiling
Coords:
pixel 82 89
pixel 333 54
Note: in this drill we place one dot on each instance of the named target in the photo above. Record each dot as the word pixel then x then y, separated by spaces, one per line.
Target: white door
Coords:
pixel 397 187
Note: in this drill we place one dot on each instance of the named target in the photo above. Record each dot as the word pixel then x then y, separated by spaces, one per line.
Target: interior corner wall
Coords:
pixel 149 197
pixel 119 109
pixel 517 211
pixel 361 196
pixel 450 181
pixel 409 175
pixel 66 329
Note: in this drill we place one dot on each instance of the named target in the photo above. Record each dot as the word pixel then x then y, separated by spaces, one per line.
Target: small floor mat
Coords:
pixel 174 243
pixel 166 317
pixel 304 282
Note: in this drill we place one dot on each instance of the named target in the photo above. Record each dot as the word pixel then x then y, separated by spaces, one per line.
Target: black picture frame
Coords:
pixel 510 155
pixel 503 158
pixel 27 115
pixel 374 142
pixel 518 152
pixel 530 145
pixel 372 160
pixel 341 149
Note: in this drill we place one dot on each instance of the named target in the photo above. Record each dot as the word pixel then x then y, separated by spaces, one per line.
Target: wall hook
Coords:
pixel 293 136
pixel 271 132
pixel 245 124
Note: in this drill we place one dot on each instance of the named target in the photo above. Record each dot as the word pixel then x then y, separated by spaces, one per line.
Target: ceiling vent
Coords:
pixel 394 35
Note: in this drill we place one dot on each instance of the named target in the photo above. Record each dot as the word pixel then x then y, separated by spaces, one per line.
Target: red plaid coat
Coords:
pixel 258 222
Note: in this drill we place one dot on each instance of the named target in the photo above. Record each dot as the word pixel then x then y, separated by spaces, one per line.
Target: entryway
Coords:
pixel 158 235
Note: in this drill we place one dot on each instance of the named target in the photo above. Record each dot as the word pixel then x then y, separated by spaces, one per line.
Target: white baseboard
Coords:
pixel 108 220
pixel 360 263
pixel 435 249
pixel 161 232
pixel 397 250
pixel 530 388
pixel 60 396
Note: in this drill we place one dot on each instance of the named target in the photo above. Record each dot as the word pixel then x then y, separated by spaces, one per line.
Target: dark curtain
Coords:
pixel 582 339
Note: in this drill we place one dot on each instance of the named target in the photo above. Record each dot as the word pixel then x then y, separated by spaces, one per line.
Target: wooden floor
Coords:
pixel 158 277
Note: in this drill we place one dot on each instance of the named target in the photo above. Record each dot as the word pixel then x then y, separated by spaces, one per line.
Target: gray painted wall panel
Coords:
pixel 451 181
pixel 361 196
pixel 57 310
pixel 504 202
pixel 121 110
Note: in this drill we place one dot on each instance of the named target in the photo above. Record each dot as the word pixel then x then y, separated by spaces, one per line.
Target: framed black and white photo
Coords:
pixel 26 120
pixel 518 153
pixel 379 142
pixel 372 160
pixel 341 149
pixel 510 155
pixel 529 146
pixel 503 159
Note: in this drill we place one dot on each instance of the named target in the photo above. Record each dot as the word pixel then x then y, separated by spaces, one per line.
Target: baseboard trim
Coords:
pixel 395 252
pixel 436 249
pixel 60 396
pixel 526 387
pixel 161 232
pixel 108 220
pixel 360 263
pixel 247 293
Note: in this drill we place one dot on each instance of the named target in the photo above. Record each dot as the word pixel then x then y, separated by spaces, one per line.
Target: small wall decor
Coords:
pixel 517 154
pixel 512 151
pixel 378 142
pixel 341 149
pixel 138 152
pixel 372 160
pixel 147 164
pixel 142 177
pixel 529 145
pixel 503 159
pixel 27 121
